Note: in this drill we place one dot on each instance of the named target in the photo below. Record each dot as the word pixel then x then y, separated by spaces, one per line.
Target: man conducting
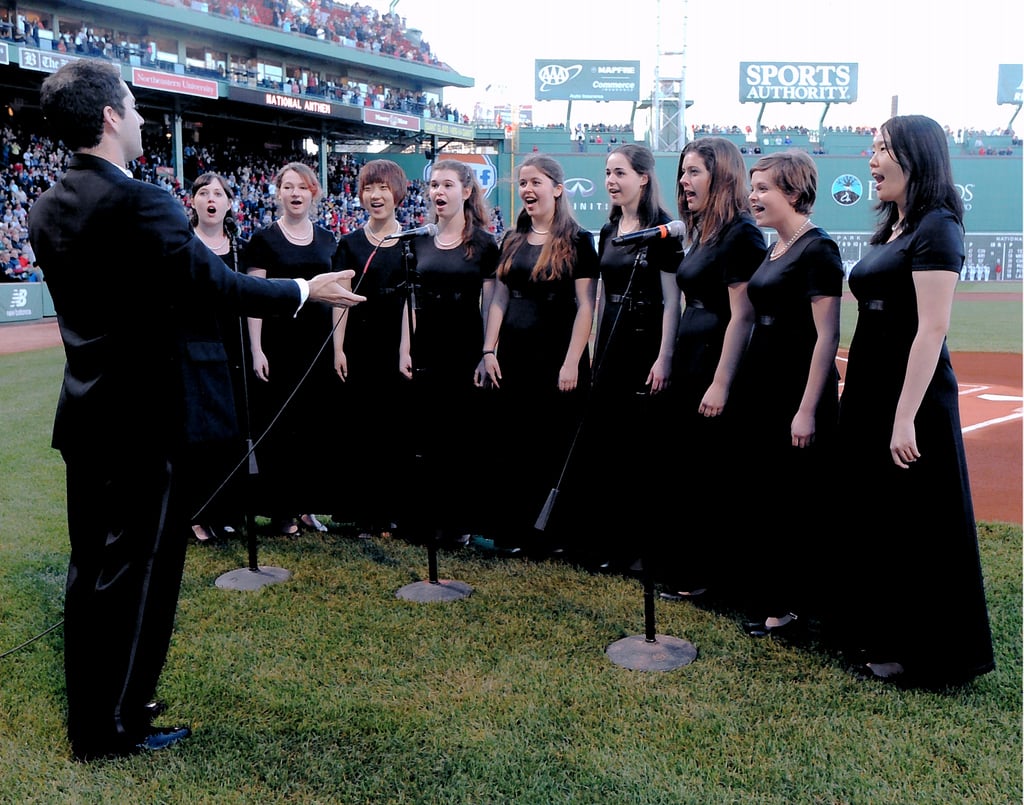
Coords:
pixel 140 387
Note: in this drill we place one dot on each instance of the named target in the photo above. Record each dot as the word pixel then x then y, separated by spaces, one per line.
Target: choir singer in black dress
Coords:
pixel 785 402
pixel 293 363
pixel 536 356
pixel 724 248
pixel 637 318
pixel 911 597
pixel 455 271
pixel 367 358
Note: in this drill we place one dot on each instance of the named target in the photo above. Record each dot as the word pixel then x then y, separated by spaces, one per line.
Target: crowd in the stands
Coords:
pixel 30 163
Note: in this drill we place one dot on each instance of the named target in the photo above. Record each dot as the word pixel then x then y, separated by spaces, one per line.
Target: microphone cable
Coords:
pixel 252 445
pixel 249 452
pixel 31 640
pixel 541 522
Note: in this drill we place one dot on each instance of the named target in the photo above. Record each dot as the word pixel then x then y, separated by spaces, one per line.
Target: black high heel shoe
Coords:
pixel 762 629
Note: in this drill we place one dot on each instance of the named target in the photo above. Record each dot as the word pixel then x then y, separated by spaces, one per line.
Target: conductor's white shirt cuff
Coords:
pixel 303 292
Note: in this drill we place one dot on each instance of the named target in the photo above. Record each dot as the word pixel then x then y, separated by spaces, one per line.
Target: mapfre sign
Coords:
pixel 798 82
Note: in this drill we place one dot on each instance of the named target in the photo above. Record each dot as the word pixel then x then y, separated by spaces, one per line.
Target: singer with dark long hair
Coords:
pixel 367 360
pixel 724 248
pixel 637 317
pixel 910 594
pixel 456 282
pixel 536 354
pixel 219 493
pixel 292 361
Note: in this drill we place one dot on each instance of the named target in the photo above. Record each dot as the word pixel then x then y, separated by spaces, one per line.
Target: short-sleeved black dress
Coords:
pixel 376 405
pixel 535 423
pixel 701 444
pixel 789 493
pixel 912 588
pixel 449 425
pixel 625 423
pixel 297 459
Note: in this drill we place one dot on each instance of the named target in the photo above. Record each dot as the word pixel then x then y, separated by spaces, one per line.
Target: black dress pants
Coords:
pixel 127 531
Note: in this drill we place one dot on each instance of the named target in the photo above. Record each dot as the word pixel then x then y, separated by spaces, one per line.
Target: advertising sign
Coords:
pixel 1011 84
pixel 22 301
pixel 798 82
pixel 481 164
pixel 563 80
pixel 173 82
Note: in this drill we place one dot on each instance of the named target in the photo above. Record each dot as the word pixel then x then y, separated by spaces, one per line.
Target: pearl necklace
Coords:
pixel 538 231
pixel 298 240
pixel 376 240
pixel 777 252
pixel 623 231
pixel 215 249
pixel 450 244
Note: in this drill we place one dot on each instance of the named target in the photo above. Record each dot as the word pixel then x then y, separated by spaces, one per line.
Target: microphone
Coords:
pixel 673 229
pixel 427 229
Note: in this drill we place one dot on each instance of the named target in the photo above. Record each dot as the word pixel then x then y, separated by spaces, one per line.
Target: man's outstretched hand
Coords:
pixel 328 288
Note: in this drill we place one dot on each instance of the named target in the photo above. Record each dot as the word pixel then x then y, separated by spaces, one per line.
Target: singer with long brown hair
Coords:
pixel 724 248
pixel 536 355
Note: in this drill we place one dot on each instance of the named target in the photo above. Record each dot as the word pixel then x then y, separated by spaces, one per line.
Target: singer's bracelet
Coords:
pixel 488 352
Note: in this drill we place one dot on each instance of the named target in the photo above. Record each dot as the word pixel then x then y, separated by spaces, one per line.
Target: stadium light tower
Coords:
pixel 668 101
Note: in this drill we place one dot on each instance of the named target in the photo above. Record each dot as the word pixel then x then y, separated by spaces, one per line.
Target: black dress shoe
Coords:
pixel 162 737
pixel 154 709
pixel 156 738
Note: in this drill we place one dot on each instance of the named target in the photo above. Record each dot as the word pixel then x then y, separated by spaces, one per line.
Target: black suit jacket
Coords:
pixel 133 289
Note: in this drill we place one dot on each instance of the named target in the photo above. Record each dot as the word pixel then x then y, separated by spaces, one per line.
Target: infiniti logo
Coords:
pixel 551 75
pixel 579 185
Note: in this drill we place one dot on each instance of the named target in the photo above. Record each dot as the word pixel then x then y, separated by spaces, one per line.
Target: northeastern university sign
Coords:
pixel 798 82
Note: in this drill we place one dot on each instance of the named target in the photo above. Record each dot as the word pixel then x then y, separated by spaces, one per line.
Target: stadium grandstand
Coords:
pixel 244 87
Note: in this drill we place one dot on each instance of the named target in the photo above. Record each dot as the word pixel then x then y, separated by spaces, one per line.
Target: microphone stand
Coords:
pixel 433 589
pixel 252 577
pixel 650 651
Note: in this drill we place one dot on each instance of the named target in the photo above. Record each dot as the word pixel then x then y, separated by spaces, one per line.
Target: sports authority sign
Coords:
pixel 799 82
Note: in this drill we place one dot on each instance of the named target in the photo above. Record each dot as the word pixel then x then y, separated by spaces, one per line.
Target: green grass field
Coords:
pixel 328 689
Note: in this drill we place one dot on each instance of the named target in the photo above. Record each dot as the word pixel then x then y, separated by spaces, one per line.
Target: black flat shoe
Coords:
pixel 204 533
pixel 154 709
pixel 682 595
pixel 762 629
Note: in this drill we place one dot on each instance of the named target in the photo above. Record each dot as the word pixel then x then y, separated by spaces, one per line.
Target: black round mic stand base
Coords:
pixel 245 578
pixel 664 653
pixel 440 590
pixel 434 589
pixel 651 651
